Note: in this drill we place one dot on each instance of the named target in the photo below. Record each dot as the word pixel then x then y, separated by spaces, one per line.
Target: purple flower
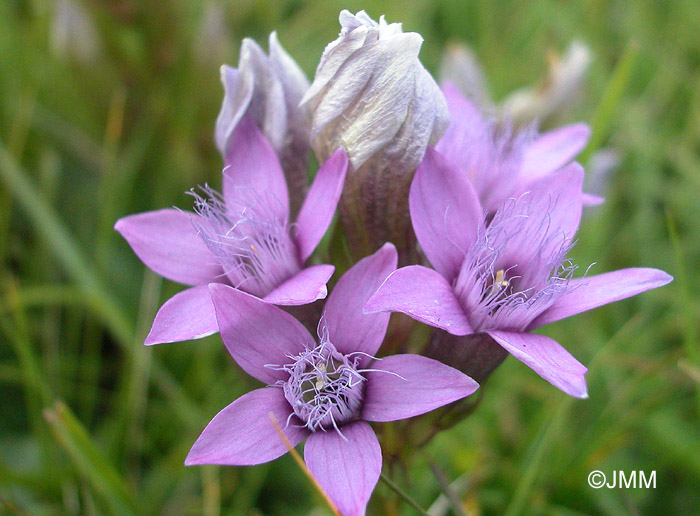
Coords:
pixel 508 278
pixel 501 162
pixel 268 89
pixel 323 390
pixel 242 238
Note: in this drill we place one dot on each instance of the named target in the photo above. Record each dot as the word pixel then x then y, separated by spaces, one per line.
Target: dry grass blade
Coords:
pixel 297 458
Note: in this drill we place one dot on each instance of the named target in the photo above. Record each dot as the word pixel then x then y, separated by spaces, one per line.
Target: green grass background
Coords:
pixel 92 422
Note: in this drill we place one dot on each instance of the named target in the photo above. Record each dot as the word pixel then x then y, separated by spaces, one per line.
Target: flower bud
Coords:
pixel 268 89
pixel 74 34
pixel 212 37
pixel 459 66
pixel 558 91
pixel 548 99
pixel 372 96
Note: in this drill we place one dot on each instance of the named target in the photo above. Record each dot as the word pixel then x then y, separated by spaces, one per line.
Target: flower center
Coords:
pixel 515 269
pixel 255 251
pixel 324 388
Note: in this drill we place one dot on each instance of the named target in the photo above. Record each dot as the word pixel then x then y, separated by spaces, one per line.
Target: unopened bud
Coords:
pixel 211 39
pixel 459 66
pixel 372 97
pixel 74 34
pixel 268 89
pixel 558 91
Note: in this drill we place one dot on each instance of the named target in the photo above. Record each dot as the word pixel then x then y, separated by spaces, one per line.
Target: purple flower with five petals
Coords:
pixel 242 238
pixel 502 162
pixel 323 390
pixel 506 278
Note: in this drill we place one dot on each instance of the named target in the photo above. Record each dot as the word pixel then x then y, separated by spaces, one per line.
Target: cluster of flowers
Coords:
pixel 494 211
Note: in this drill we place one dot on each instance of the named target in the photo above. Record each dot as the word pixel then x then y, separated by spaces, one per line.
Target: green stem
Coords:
pixel 403 495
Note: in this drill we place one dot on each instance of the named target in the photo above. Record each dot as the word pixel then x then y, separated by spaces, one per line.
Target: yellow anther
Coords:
pixel 500 280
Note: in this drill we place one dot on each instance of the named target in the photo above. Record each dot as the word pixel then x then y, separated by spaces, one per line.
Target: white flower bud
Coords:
pixel 372 97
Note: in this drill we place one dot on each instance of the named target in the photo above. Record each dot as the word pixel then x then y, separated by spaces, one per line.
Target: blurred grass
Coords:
pixel 93 131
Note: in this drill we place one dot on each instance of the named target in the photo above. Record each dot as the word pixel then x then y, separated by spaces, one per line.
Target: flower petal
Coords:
pixel 167 242
pixel 237 97
pixel 243 434
pixel 592 200
pixel 418 385
pixel 594 291
pixel 560 197
pixel 349 329
pixel 536 229
pixel 423 294
pixel 466 121
pixel 547 358
pixel 253 176
pixel 347 467
pixel 187 315
pixel 445 212
pixel 552 150
pixel 306 286
pixel 256 333
pixel 319 206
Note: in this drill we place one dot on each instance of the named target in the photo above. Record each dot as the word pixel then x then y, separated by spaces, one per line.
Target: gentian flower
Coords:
pixel 509 277
pixel 502 162
pixel 268 89
pixel 372 96
pixel 323 390
pixel 242 238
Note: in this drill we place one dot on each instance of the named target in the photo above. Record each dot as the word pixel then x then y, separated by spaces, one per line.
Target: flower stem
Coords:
pixel 403 495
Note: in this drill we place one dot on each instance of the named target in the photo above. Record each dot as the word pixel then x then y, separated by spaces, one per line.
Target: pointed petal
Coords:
pixel 423 294
pixel 167 242
pixel 594 291
pixel 253 176
pixel 243 434
pixel 187 315
pixel 268 107
pixel 553 150
pixel 347 469
pixel 465 121
pixel 468 142
pixel 547 358
pixel 237 97
pixel 418 385
pixel 349 329
pixel 560 197
pixel 320 203
pixel 306 286
pixel 592 200
pixel 293 79
pixel 256 333
pixel 445 212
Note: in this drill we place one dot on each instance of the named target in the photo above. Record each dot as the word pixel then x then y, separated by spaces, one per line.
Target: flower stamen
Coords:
pixel 256 252
pixel 324 388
